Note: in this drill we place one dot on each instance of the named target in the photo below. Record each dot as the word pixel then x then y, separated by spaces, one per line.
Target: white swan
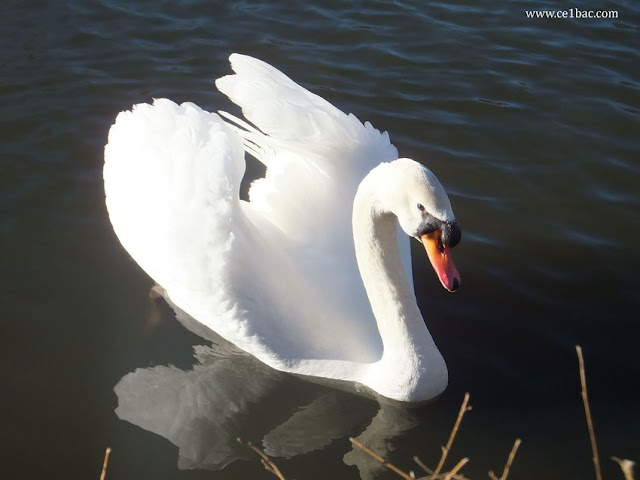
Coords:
pixel 308 276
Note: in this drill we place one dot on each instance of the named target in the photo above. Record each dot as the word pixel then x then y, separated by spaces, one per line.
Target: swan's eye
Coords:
pixel 420 207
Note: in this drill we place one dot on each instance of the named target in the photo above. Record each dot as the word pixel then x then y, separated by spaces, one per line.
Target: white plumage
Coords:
pixel 277 275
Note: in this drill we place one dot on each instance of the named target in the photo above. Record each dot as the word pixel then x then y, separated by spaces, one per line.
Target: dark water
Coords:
pixel 531 125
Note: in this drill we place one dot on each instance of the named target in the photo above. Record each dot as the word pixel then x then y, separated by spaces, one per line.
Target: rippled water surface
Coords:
pixel 531 125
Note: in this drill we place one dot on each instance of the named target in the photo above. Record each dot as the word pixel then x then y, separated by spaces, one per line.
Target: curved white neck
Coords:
pixel 411 361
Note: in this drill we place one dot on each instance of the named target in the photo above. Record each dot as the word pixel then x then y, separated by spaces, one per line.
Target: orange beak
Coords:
pixel 440 258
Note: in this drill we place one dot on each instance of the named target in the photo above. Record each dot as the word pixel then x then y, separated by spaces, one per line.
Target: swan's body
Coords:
pixel 281 276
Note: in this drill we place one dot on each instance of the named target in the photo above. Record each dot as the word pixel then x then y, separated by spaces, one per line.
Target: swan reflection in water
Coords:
pixel 229 394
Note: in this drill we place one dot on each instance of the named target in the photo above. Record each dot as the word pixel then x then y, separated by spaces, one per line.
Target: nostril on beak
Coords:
pixel 455 285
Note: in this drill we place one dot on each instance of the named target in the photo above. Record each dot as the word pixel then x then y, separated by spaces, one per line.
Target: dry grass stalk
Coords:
pixel 105 463
pixel 267 463
pixel 422 465
pixel 455 476
pixel 389 465
pixel 433 474
pixel 626 466
pixel 445 450
pixel 455 469
pixel 505 472
pixel 587 411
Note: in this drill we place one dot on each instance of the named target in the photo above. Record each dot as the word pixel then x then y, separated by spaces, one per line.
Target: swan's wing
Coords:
pixel 277 275
pixel 171 178
pixel 172 175
pixel 315 154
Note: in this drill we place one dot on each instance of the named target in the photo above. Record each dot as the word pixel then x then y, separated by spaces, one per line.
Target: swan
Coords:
pixel 311 275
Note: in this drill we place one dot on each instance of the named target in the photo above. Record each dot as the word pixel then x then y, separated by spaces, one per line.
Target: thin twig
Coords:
pixel 422 465
pixel 512 455
pixel 626 466
pixel 445 450
pixel 389 465
pixel 455 469
pixel 430 472
pixel 267 463
pixel 442 476
pixel 587 411
pixel 105 463
pixel 492 475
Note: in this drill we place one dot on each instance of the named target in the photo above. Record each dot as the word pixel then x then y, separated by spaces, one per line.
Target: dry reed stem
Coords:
pixel 422 465
pixel 107 452
pixel 587 412
pixel 445 450
pixel 626 466
pixel 267 463
pixel 454 474
pixel 455 469
pixel 389 465
pixel 512 455
pixel 430 472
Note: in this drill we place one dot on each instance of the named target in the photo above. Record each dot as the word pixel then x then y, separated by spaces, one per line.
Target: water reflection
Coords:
pixel 201 411
pixel 229 394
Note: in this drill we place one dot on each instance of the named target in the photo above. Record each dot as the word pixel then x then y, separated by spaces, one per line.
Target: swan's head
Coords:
pixel 424 212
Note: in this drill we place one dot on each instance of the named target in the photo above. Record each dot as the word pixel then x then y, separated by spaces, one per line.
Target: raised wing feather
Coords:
pixel 315 154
